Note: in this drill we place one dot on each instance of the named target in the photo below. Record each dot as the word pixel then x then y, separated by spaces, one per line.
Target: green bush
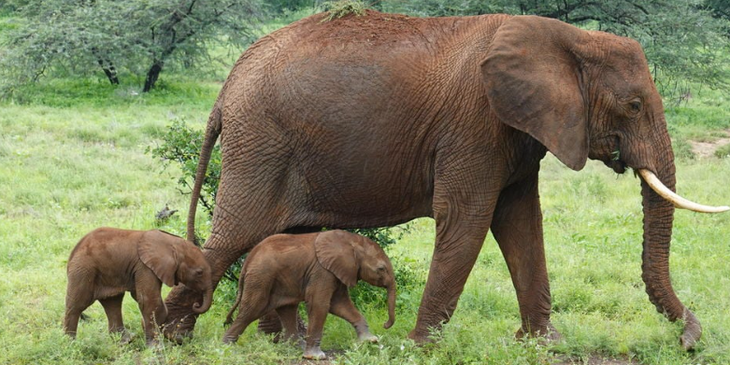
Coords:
pixel 181 146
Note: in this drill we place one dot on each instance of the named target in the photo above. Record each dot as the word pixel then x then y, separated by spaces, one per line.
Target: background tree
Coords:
pixel 720 9
pixel 138 37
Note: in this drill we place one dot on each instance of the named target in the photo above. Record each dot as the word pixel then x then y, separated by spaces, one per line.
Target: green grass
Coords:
pixel 73 159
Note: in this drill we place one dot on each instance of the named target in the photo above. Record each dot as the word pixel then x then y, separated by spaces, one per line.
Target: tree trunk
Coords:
pixel 109 70
pixel 152 75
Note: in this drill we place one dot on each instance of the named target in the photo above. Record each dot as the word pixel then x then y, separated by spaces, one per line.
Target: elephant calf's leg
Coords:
pixel 113 309
pixel 77 301
pixel 317 315
pixel 71 321
pixel 254 304
pixel 517 227
pixel 271 324
pixel 289 320
pixel 152 310
pixel 343 307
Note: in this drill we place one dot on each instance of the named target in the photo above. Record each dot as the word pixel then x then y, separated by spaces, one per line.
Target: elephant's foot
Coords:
pixel 367 337
pixel 420 337
pixel 230 339
pixel 152 342
pixel 314 353
pixel 126 337
pixel 270 324
pixel 547 333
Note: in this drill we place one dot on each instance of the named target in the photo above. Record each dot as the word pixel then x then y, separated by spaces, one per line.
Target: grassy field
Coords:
pixel 73 158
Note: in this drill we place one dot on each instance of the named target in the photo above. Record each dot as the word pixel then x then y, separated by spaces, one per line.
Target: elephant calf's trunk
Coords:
pixel 391 306
pixel 207 300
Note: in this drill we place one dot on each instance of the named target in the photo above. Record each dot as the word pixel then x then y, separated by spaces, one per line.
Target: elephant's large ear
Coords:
pixel 336 254
pixel 533 83
pixel 158 252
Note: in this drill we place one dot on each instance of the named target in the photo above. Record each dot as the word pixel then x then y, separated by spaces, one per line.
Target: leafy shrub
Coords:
pixel 341 8
pixel 181 146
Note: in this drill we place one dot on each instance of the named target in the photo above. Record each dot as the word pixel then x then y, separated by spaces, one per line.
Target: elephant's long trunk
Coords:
pixel 658 217
pixel 391 306
pixel 207 300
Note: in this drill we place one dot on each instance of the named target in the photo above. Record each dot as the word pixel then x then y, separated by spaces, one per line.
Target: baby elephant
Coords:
pixel 109 261
pixel 317 268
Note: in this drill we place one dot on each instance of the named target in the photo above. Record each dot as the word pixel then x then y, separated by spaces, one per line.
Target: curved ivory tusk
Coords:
pixel 675 199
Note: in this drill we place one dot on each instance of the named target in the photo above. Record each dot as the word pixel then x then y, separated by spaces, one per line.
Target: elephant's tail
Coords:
pixel 212 131
pixel 239 295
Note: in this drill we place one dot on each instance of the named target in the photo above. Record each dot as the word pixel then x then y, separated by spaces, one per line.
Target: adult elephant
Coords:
pixel 374 120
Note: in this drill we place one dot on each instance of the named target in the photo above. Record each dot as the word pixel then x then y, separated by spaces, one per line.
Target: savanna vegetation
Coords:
pixel 79 151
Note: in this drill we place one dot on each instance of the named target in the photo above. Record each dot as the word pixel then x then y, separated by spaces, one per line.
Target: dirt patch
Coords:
pixel 597 360
pixel 331 356
pixel 707 149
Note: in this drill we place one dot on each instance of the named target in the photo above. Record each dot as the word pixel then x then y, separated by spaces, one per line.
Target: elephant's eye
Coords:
pixel 635 106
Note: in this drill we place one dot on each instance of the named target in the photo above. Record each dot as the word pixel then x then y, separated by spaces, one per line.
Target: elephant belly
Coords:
pixel 354 193
pixel 103 292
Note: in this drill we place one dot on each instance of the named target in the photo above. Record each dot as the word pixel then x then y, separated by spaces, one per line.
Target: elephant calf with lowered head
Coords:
pixel 317 268
pixel 109 261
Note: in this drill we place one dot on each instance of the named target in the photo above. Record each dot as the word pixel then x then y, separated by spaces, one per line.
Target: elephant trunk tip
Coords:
pixel 692 331
pixel 388 324
pixel 200 308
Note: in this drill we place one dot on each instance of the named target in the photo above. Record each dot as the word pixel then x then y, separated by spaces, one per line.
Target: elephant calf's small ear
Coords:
pixel 336 254
pixel 156 251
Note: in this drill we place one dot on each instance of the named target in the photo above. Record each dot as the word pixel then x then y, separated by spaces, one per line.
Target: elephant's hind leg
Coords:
pixel 254 304
pixel 113 309
pixel 79 296
pixel 517 227
pixel 290 322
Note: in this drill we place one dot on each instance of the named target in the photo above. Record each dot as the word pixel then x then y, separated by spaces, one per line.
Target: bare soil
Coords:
pixel 707 149
pixel 597 360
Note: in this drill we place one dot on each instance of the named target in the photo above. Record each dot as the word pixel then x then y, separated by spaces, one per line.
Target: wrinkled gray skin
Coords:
pixel 374 120
pixel 317 268
pixel 108 262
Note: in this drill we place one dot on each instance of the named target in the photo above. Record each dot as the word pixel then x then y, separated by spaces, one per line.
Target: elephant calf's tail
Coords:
pixel 212 131
pixel 239 295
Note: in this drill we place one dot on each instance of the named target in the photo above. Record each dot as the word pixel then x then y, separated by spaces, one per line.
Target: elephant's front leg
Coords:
pixel 343 307
pixel 318 305
pixel 517 227
pixel 462 221
pixel 148 297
